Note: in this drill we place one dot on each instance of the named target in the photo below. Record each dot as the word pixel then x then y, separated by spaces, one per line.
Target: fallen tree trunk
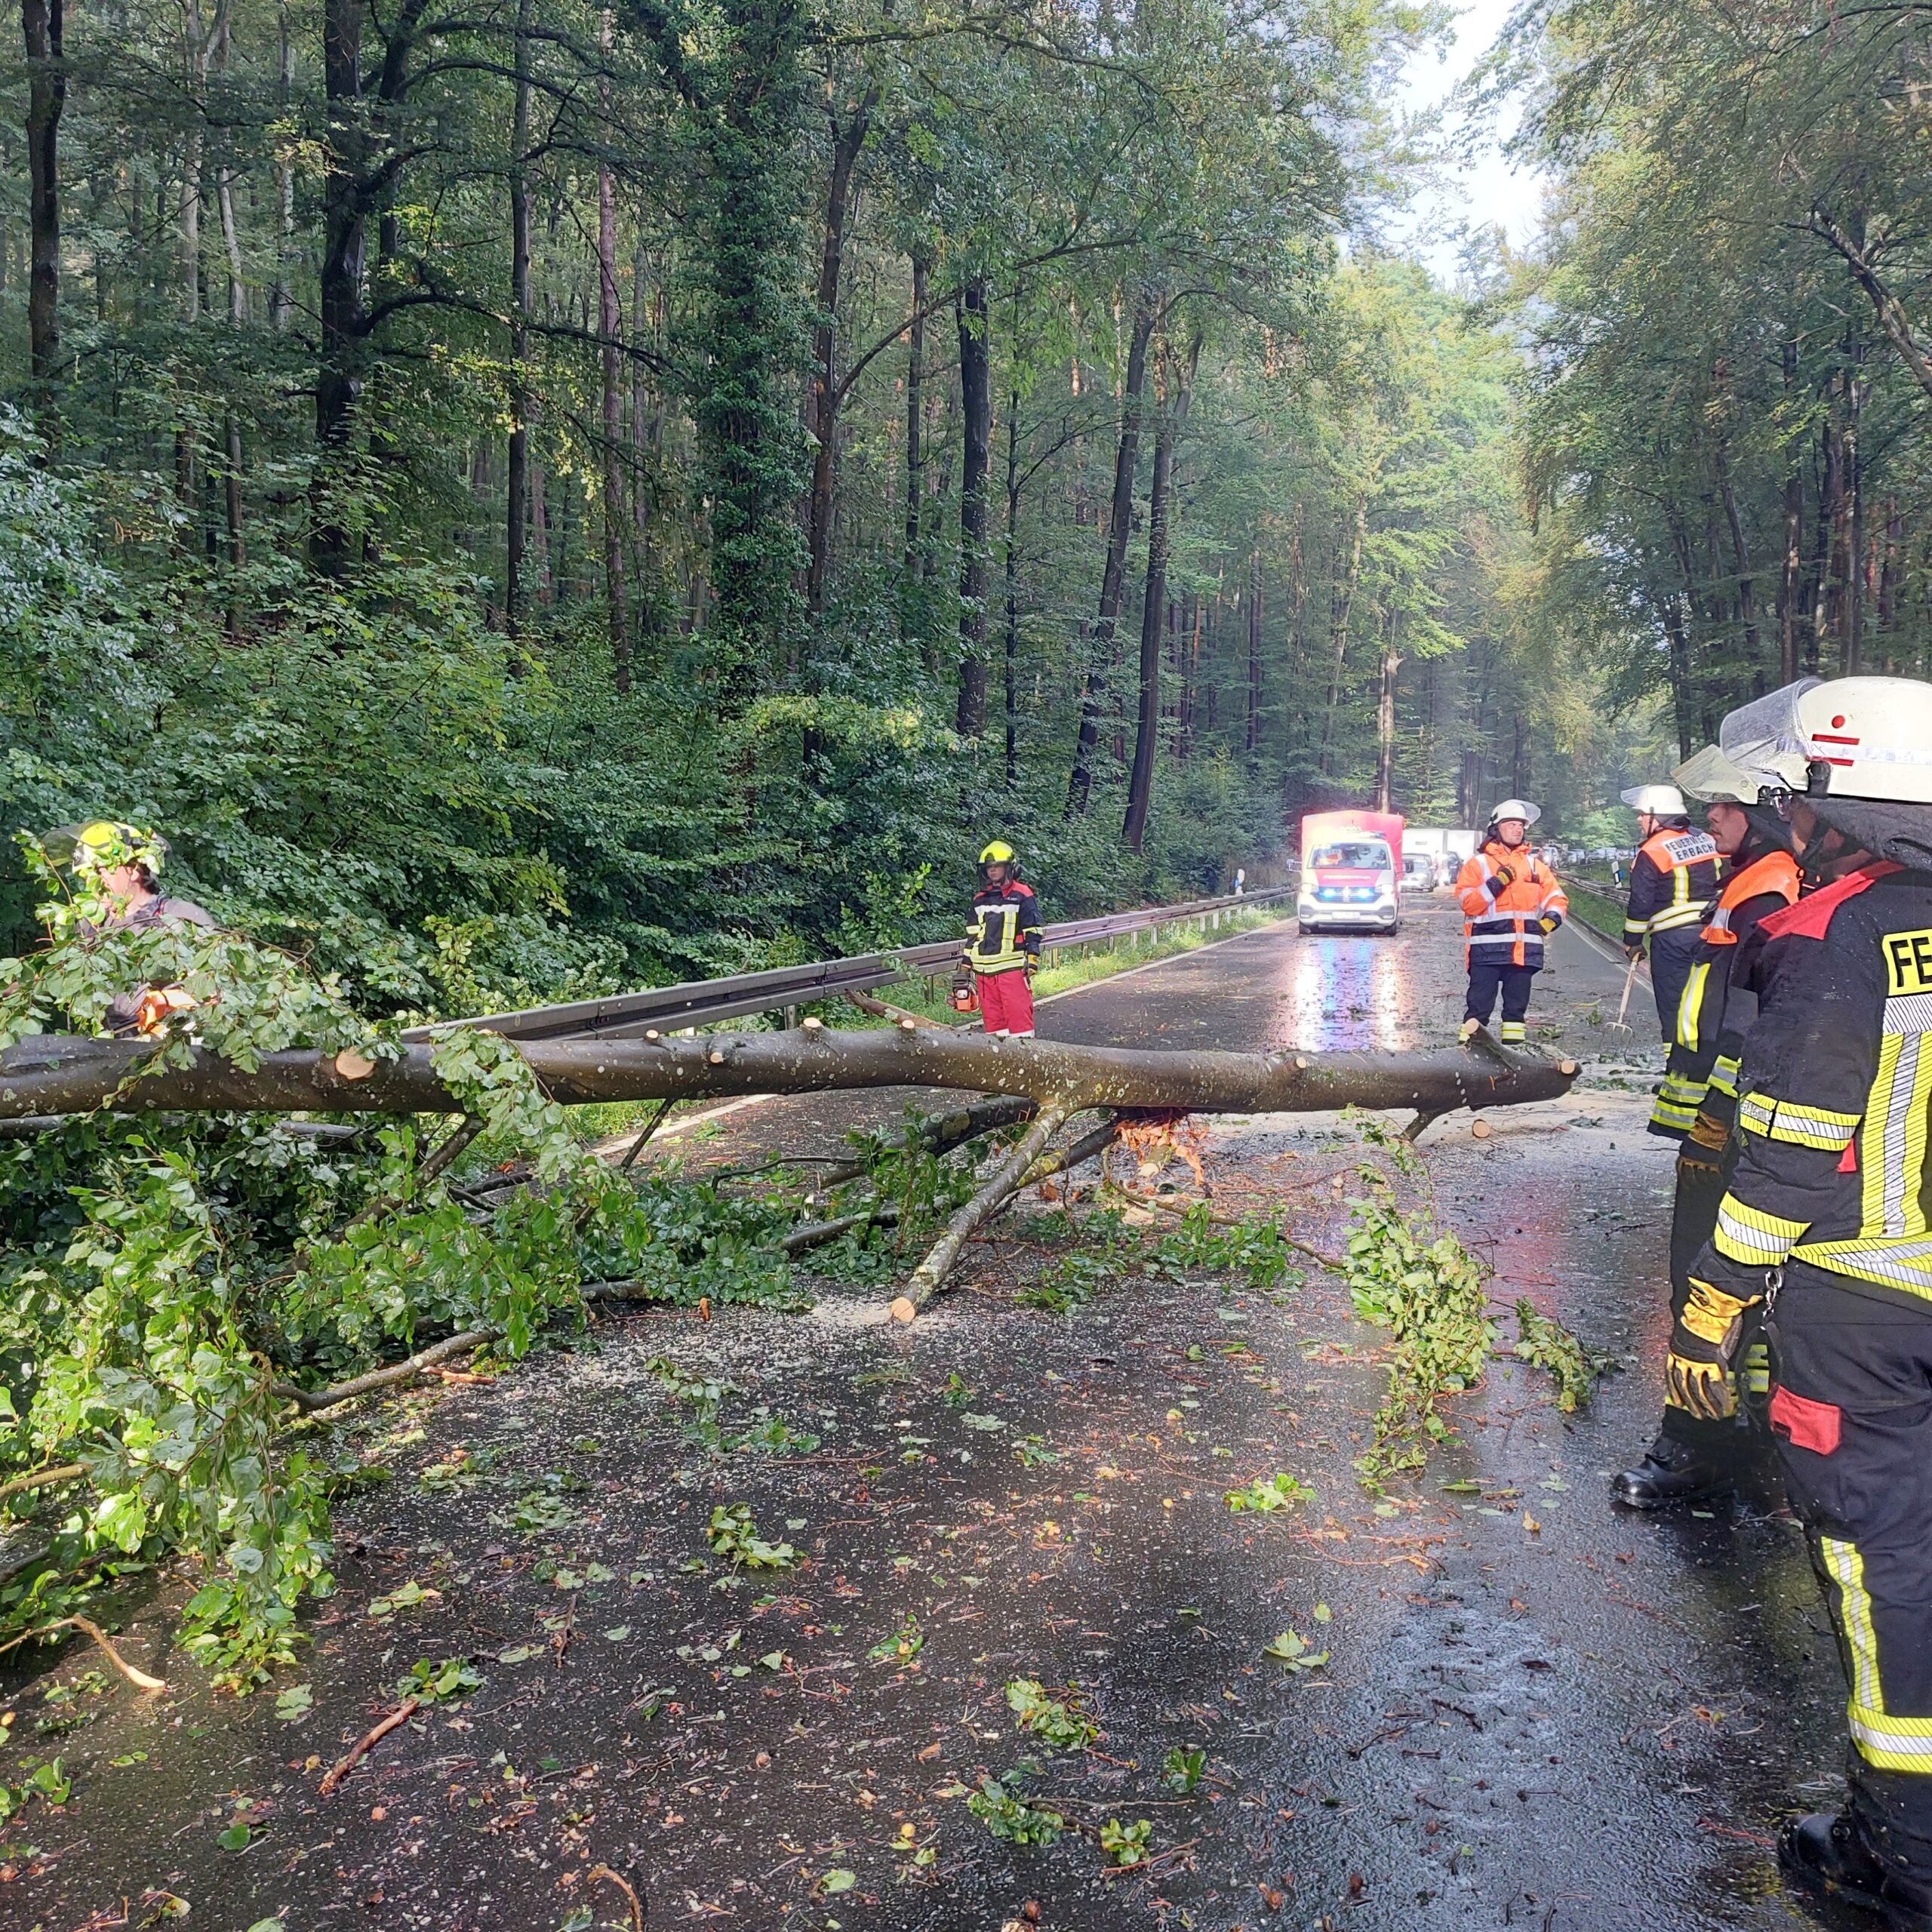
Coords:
pixel 57 1074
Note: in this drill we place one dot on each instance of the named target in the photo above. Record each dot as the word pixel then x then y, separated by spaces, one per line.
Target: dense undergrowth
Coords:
pixel 166 1281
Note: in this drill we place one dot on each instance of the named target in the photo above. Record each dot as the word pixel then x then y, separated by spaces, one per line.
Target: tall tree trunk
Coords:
pixel 915 369
pixel 1384 717
pixel 609 322
pixel 237 317
pixel 341 309
pixel 1854 538
pixel 1790 593
pixel 41 26
pixel 1012 562
pixel 823 407
pixel 1154 605
pixel 282 296
pixel 1188 655
pixel 976 402
pixel 1890 561
pixel 516 492
pixel 1254 581
pixel 1340 614
pixel 1682 697
pixel 1113 580
pixel 1747 608
pixel 1834 511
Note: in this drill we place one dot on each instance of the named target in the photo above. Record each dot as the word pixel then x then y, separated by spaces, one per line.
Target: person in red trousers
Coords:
pixel 1002 950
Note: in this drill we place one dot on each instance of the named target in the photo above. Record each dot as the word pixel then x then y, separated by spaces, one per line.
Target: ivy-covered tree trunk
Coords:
pixel 739 68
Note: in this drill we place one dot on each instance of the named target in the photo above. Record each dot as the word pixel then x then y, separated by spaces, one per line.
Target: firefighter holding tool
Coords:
pixel 1673 880
pixel 1002 950
pixel 1824 1228
pixel 1511 902
pixel 1697 1105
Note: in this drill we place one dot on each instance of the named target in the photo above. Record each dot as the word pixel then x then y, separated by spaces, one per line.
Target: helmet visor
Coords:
pixel 1766 738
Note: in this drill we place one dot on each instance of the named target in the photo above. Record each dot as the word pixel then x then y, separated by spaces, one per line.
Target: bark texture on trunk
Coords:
pixel 1113 580
pixel 848 138
pixel 1385 719
pixel 516 492
pixel 41 26
pixel 609 322
pixel 1254 601
pixel 915 365
pixel 976 399
pixel 1154 605
pixel 1341 614
pixel 62 1075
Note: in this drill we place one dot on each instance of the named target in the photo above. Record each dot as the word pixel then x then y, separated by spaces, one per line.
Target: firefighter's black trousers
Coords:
pixel 1671 956
pixel 1851 1406
pixel 1487 978
pixel 1701 1186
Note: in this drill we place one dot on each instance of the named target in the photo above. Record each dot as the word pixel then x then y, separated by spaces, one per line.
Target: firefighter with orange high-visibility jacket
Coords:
pixel 1002 950
pixel 1511 902
pixel 1825 1226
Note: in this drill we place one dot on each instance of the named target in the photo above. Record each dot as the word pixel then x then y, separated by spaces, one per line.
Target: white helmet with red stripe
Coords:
pixel 1867 738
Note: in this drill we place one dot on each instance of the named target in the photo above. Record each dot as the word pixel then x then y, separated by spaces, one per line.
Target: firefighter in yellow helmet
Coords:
pixel 1002 948
pixel 1824 1227
pixel 123 863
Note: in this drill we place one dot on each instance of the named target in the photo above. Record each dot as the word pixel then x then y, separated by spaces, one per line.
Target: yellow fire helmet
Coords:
pixel 105 840
pixel 998 852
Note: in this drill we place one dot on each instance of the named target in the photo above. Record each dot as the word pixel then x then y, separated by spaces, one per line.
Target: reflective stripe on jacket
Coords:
pixel 1005 930
pixel 1720 999
pixel 1671 883
pixel 1502 927
pixel 1837 1084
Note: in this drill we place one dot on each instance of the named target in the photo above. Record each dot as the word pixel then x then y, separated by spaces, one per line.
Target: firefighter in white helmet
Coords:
pixel 1824 1227
pixel 1511 902
pixel 1673 880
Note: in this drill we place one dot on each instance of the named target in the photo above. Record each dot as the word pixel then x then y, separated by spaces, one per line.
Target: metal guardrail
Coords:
pixel 703 1002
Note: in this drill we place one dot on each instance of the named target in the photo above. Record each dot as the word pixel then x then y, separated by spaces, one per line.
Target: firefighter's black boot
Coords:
pixel 1826 1853
pixel 1672 1472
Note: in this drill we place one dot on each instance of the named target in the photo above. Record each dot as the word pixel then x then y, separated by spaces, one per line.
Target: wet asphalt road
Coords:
pixel 1536 1710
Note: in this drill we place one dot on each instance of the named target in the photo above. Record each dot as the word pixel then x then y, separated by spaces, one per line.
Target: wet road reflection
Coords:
pixel 1350 990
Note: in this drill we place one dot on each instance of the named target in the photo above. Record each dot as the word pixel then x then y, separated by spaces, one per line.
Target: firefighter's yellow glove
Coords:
pixel 1703 1346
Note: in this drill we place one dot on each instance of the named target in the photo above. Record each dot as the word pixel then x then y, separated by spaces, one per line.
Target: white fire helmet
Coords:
pixel 1661 801
pixel 1516 808
pixel 1869 738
